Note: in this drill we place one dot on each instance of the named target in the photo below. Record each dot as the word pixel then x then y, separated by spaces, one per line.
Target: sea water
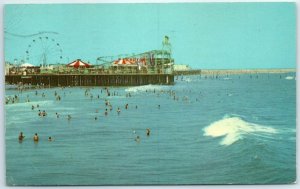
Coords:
pixel 237 129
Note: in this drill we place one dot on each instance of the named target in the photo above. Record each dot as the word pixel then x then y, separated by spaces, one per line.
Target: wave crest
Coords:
pixel 144 88
pixel 234 129
pixel 23 104
pixel 289 77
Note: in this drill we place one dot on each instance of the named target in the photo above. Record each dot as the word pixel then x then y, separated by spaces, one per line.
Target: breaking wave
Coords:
pixel 289 77
pixel 145 87
pixel 234 129
pixel 187 79
pixel 10 86
pixel 23 104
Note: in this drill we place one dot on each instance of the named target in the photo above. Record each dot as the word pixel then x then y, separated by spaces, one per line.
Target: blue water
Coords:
pixel 235 129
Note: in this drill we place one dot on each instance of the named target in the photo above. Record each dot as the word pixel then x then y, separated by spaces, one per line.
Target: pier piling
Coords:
pixel 92 80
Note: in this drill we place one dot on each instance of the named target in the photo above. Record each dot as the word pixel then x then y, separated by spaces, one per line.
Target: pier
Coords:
pixel 150 67
pixel 91 80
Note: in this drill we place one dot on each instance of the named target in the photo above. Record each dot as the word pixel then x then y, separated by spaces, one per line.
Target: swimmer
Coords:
pixel 57 115
pixel 126 106
pixel 40 113
pixel 137 139
pixel 118 110
pixel 50 139
pixel 32 107
pixel 21 137
pixel 148 132
pixel 96 118
pixel 35 137
pixel 44 113
pixel 69 117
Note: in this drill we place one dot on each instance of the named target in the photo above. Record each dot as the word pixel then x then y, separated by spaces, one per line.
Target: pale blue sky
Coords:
pixel 203 35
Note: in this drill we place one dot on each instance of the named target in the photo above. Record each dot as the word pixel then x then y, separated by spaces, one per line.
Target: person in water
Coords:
pixel 50 139
pixel 35 137
pixel 44 113
pixel 21 136
pixel 148 132
pixel 137 139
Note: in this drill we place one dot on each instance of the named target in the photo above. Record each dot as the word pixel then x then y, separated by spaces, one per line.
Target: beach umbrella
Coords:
pixel 78 63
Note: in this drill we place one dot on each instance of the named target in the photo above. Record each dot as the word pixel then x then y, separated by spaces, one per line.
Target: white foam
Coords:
pixel 11 86
pixel 187 80
pixel 144 88
pixel 234 129
pixel 21 104
pixel 289 77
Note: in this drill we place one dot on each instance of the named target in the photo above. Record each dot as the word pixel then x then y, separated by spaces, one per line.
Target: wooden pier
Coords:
pixel 91 80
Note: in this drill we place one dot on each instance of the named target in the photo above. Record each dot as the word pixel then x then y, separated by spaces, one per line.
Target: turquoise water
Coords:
pixel 238 129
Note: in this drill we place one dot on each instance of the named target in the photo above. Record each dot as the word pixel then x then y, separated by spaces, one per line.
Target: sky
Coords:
pixel 203 35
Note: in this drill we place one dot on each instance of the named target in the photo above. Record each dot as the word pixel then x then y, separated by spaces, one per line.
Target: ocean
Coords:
pixel 235 129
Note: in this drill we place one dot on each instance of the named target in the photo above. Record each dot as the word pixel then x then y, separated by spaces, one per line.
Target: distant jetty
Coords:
pixel 233 71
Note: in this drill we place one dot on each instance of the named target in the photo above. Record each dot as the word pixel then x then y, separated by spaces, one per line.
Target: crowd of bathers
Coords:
pixel 108 106
pixel 35 137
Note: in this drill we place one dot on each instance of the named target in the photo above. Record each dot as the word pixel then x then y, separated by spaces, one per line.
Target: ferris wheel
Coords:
pixel 44 51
